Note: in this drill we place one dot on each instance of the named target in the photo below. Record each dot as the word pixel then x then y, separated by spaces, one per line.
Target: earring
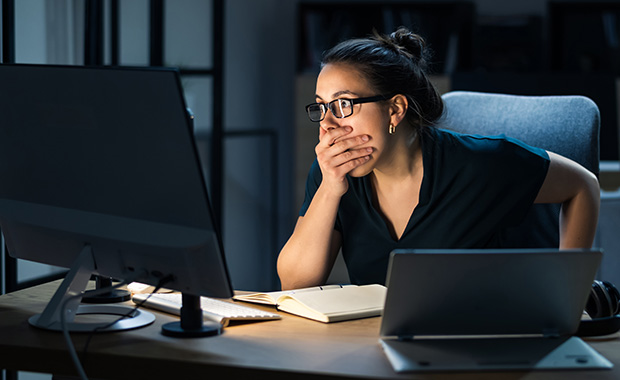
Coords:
pixel 392 129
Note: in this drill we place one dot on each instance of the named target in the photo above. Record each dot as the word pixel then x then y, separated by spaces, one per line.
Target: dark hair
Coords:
pixel 394 64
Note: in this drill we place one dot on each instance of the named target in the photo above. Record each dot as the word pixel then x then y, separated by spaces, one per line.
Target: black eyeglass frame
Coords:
pixel 327 106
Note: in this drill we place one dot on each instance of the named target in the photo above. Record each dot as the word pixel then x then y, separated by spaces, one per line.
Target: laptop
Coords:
pixel 459 310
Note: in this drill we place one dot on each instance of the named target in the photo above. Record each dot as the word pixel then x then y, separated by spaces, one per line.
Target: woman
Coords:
pixel 385 178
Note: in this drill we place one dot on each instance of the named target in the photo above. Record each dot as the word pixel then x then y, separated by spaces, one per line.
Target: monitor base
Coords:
pixel 192 324
pixel 174 329
pixel 134 319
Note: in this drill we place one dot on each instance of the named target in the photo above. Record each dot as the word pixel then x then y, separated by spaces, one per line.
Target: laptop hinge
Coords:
pixel 405 337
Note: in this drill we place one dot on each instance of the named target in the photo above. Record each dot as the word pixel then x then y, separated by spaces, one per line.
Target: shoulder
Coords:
pixel 482 146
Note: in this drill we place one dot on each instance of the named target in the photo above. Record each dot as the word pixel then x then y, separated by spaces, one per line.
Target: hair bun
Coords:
pixel 410 43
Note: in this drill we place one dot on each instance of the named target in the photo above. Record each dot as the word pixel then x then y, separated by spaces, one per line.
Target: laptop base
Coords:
pixel 482 354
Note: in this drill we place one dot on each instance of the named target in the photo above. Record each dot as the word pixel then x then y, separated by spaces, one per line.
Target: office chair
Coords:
pixel 566 125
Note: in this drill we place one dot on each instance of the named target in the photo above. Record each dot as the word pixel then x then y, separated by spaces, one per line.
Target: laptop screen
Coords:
pixel 487 292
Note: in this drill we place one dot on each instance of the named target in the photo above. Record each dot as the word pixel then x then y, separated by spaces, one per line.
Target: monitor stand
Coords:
pixel 113 296
pixel 67 300
pixel 192 324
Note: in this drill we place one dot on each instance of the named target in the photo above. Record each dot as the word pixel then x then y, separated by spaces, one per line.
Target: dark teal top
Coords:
pixel 473 188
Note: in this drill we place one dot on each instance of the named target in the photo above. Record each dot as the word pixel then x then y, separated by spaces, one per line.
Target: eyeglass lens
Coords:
pixel 340 108
pixel 316 111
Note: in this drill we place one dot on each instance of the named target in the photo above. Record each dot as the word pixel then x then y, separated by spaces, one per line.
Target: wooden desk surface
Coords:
pixel 287 348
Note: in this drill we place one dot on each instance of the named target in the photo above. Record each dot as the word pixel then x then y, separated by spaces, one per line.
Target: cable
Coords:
pixel 160 285
pixel 65 331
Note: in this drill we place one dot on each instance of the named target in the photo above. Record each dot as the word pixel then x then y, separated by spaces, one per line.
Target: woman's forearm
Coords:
pixel 308 256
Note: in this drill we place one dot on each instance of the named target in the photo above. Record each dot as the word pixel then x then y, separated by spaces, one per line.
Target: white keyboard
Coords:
pixel 212 309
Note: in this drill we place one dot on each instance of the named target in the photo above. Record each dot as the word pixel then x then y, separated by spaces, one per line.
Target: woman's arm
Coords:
pixel 577 189
pixel 309 255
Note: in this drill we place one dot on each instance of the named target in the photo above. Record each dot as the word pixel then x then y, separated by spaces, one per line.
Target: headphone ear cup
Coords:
pixel 614 297
pixel 602 306
pixel 598 305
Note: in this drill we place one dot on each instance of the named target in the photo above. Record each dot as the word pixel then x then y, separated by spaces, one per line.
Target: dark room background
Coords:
pixel 248 80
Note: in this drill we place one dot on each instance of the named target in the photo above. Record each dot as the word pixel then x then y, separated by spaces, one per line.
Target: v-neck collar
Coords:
pixel 424 195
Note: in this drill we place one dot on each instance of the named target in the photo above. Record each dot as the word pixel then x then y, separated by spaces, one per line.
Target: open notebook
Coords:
pixel 488 310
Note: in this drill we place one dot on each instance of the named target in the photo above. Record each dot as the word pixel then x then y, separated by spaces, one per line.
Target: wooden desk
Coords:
pixel 289 348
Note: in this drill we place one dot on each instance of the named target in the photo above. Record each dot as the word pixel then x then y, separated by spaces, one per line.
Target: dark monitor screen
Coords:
pixel 105 157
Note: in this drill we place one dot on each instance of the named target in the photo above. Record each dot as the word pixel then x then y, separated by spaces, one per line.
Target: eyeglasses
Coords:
pixel 340 108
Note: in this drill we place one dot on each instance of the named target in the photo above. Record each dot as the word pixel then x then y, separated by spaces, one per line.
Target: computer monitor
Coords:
pixel 99 173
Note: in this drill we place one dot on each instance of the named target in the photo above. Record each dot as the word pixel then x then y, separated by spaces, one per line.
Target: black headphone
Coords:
pixel 603 307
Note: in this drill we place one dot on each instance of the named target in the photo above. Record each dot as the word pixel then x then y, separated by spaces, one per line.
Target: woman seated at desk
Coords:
pixel 386 178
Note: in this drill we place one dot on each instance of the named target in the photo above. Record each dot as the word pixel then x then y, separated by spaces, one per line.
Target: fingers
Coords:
pixel 331 136
pixel 338 137
pixel 336 168
pixel 338 153
pixel 352 157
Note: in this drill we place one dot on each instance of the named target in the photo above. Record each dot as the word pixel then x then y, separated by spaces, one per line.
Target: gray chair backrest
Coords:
pixel 566 125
